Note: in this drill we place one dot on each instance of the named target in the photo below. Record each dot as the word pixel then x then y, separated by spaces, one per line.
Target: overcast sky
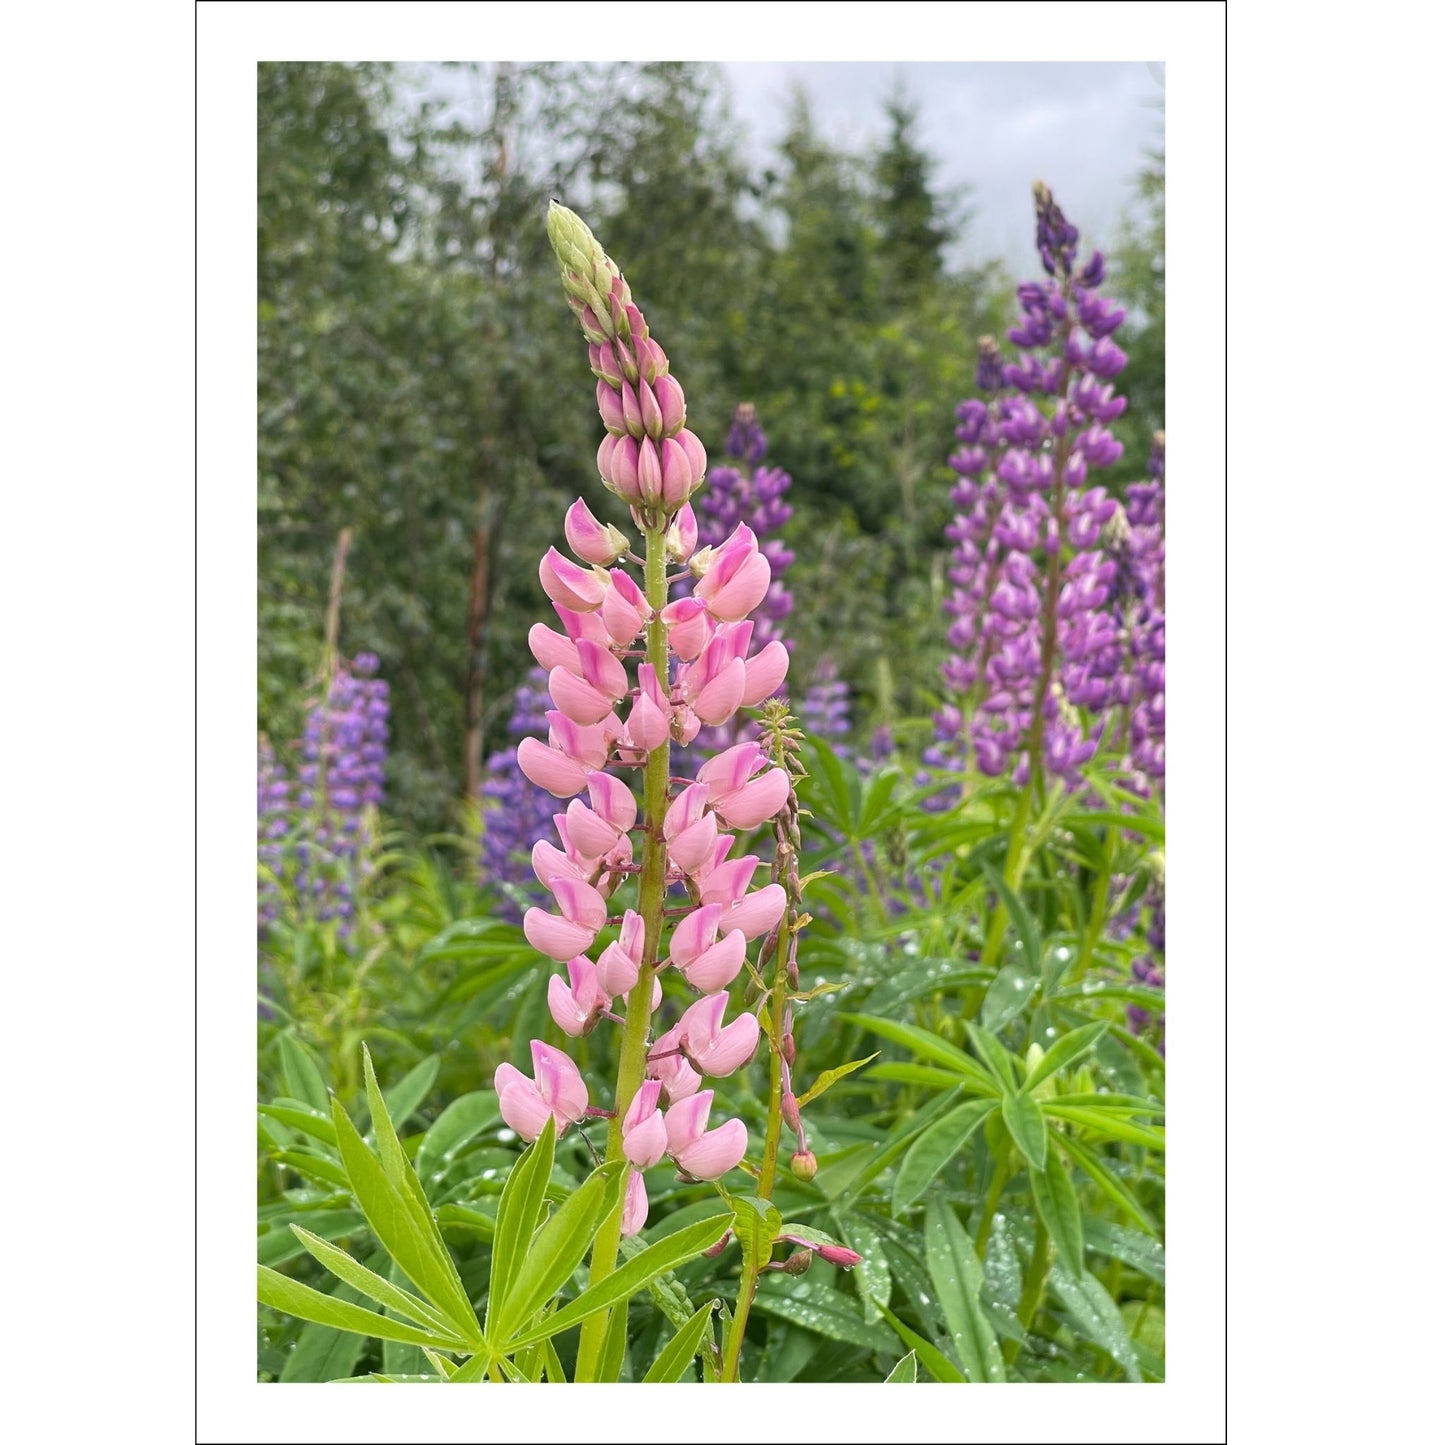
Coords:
pixel 1082 127
pixel 997 127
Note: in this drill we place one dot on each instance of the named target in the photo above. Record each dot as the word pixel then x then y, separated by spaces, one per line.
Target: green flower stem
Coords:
pixel 1098 915
pixel 1001 1176
pixel 1034 1281
pixel 1012 868
pixel 632 1064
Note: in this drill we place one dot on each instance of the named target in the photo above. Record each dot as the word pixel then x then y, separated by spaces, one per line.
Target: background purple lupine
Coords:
pixel 1027 450
pixel 316 836
pixel 515 811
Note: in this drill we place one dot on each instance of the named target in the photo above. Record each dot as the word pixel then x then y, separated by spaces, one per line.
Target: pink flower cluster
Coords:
pixel 605 717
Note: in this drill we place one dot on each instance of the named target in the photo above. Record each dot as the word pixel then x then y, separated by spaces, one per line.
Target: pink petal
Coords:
pixel 613 800
pixel 693 935
pixel 559 1082
pixel 686 1120
pixel 567 1013
pixel 719 965
pixel 555 937
pixel 634 1206
pixel 682 535
pixel 550 769
pixel 722 697
pixel 756 801
pixel 579 700
pixel 765 673
pixel 729 770
pixel 551 649
pixel 730 1049
pixel 689 628
pixel 727 882
pixel 700 1023
pixel 569 585
pixel 589 834
pixel 758 912
pixel 586 536
pixel 647 725
pixel 616 972
pixel 579 902
pixel 602 669
pixel 644 1102
pixel 716 1152
pixel 523 1109
pixel 694 845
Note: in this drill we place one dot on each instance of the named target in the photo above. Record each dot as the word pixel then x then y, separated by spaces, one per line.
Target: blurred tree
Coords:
pixel 911 227
pixel 1139 281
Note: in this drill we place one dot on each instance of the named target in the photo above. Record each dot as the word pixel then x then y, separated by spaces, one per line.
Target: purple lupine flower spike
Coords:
pixel 320 832
pixel 1035 564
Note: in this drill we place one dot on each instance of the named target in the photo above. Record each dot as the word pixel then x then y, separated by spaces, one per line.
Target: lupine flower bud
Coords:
pixel 791 1116
pixel 634 1205
pixel 798 1263
pixel 804 1165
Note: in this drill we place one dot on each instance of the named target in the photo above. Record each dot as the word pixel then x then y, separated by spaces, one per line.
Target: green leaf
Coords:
pixel 639 1271
pixel 829 1077
pixel 933 1148
pixel 404 1227
pixel 1093 1309
pixel 958 1277
pixel 394 1162
pixel 298 1117
pixel 1062 1052
pixel 1101 1121
pixel 474 1370
pixel 444 1367
pixel 1026 1123
pixel 559 1248
pixel 461 1121
pixel 819 1308
pixel 928 1075
pixel 302 1074
pixel 926 1046
pixel 677 1355
pixel 403 1099
pixel 1010 993
pixel 998 1059
pixel 905 1372
pixel 898 1140
pixel 1112 1186
pixel 372 1285
pixel 518 1211
pixel 614 1345
pixel 276 1244
pixel 872 1277
pixel 1022 920
pixel 939 1365
pixel 1136 1250
pixel 293 1298
pixel 757 1226
pixel 1058 1206
pixel 322 1354
pixel 313 1166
